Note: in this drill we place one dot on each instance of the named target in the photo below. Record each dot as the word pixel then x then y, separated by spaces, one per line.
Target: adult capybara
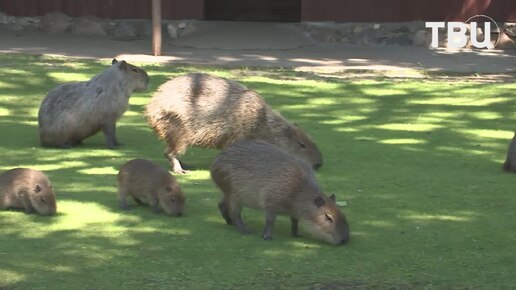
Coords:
pixel 510 161
pixel 144 180
pixel 213 112
pixel 27 189
pixel 256 174
pixel 75 111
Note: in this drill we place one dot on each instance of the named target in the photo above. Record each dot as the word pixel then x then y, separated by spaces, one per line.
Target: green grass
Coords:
pixel 417 161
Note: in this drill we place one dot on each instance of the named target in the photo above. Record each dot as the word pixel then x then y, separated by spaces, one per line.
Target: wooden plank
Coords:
pixel 156 27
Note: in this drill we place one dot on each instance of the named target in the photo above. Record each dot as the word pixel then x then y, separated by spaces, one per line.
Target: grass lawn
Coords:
pixel 417 161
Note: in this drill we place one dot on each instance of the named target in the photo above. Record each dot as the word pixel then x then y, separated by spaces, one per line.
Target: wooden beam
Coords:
pixel 156 27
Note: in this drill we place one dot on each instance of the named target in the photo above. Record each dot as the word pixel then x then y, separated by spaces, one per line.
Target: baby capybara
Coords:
pixel 27 189
pixel 146 182
pixel 259 175
pixel 510 161
pixel 213 112
pixel 75 111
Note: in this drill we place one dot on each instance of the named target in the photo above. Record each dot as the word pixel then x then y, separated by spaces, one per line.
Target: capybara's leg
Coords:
pixel 270 218
pixel 223 207
pixel 109 129
pixel 27 205
pixel 122 195
pixel 236 217
pixel 294 226
pixel 175 165
pixel 154 203
pixel 138 201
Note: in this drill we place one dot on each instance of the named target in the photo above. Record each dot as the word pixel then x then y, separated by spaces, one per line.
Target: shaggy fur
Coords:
pixel 256 174
pixel 213 112
pixel 144 180
pixel 27 189
pixel 75 111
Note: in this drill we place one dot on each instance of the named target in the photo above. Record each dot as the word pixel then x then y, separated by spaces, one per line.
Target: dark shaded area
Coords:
pixel 118 9
pixel 405 10
pixel 252 10
pixel 279 10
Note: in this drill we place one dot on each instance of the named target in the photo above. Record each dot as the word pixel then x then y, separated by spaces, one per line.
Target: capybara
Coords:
pixel 146 182
pixel 27 189
pixel 213 112
pixel 256 174
pixel 510 161
pixel 75 111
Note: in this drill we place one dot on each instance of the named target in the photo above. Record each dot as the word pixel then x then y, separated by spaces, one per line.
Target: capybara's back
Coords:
pixel 213 112
pixel 74 111
pixel 27 189
pixel 256 174
pixel 145 181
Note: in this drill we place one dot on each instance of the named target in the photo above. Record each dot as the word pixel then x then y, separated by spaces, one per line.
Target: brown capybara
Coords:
pixel 75 111
pixel 147 182
pixel 213 112
pixel 256 174
pixel 27 189
pixel 510 161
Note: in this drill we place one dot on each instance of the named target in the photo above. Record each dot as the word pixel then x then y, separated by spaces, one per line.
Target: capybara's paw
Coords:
pixel 267 237
pixel 180 171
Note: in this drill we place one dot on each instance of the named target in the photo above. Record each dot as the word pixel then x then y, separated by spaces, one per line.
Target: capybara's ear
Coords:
pixel 168 189
pixel 114 61
pixel 332 197
pixel 319 201
pixel 123 65
pixel 38 188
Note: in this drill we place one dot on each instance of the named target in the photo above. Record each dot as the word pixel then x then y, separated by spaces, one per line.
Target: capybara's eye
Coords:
pixel 301 144
pixel 134 69
pixel 43 200
pixel 328 218
pixel 173 199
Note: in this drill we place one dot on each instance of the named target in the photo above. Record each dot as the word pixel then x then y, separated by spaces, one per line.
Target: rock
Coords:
pixel 376 26
pixel 89 25
pixel 4 18
pixel 24 21
pixel 182 25
pixel 55 23
pixel 172 30
pixel 505 42
pixel 369 38
pixel 188 29
pixel 510 30
pixel 145 29
pixel 344 29
pixel 357 28
pixel 419 38
pixel 15 27
pixel 400 39
pixel 324 34
pixel 124 30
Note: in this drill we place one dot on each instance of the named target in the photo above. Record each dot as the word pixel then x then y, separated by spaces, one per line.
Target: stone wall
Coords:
pixel 59 23
pixel 368 34
pixel 401 33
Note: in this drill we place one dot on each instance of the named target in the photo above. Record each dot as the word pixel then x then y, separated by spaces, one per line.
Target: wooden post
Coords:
pixel 156 27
